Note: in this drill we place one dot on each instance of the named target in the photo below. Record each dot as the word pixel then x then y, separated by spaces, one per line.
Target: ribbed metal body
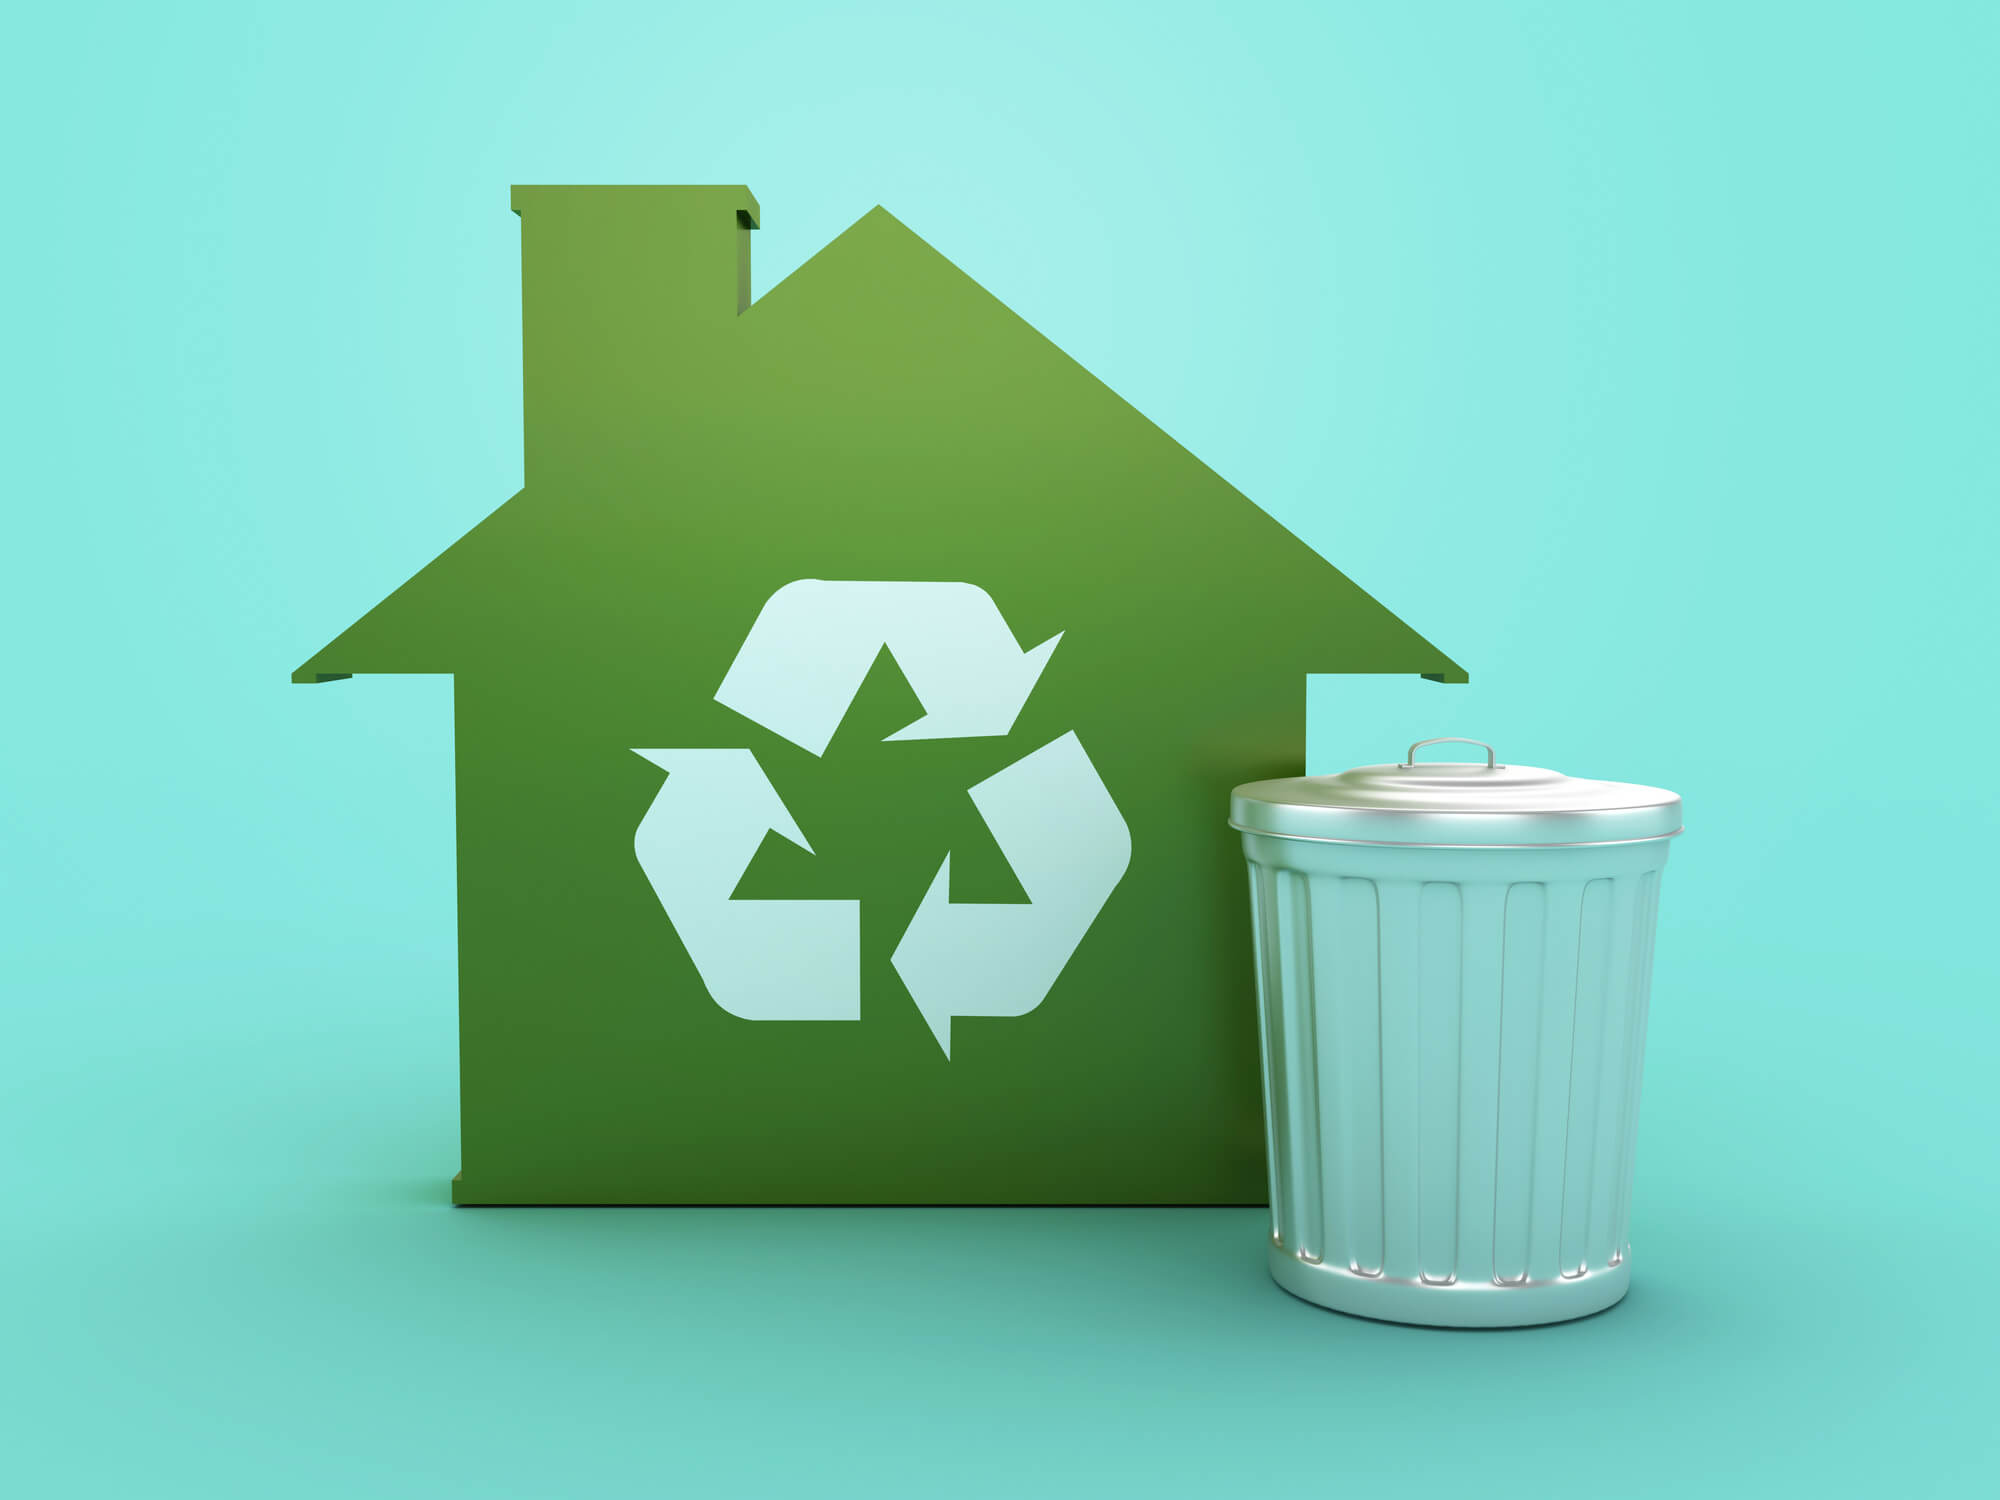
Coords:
pixel 1453 1039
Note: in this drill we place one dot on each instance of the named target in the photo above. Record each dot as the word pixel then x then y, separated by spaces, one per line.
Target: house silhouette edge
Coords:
pixel 328 665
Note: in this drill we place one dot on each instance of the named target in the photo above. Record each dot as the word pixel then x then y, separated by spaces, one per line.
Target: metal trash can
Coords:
pixel 1453 963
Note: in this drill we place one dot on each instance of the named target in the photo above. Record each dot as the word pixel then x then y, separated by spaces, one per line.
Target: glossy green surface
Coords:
pixel 875 416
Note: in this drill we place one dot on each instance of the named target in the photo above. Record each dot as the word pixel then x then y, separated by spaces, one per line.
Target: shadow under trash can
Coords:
pixel 1453 963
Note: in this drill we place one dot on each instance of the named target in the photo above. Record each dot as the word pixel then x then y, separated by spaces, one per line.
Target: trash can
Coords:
pixel 1453 963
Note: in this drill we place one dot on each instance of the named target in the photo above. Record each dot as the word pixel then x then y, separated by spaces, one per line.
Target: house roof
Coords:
pixel 877 411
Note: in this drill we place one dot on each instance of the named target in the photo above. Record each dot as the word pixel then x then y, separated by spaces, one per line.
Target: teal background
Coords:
pixel 1643 358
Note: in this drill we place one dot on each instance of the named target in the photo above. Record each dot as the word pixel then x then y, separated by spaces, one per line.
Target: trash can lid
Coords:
pixel 1455 803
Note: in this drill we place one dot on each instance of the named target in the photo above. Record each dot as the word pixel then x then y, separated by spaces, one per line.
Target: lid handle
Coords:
pixel 1410 761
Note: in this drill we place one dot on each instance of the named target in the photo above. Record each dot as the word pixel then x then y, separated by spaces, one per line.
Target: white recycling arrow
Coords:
pixel 761 960
pixel 1061 832
pixel 815 639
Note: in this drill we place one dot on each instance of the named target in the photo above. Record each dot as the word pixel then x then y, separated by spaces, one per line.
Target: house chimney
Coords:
pixel 620 288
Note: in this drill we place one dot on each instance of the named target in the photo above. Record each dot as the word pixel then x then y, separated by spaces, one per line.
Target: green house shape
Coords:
pixel 708 972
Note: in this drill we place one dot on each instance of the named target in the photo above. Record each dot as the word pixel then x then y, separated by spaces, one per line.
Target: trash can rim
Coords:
pixel 1321 838
pixel 1455 805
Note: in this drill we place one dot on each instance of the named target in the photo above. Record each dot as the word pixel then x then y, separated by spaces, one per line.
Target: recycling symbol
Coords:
pixel 796 674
